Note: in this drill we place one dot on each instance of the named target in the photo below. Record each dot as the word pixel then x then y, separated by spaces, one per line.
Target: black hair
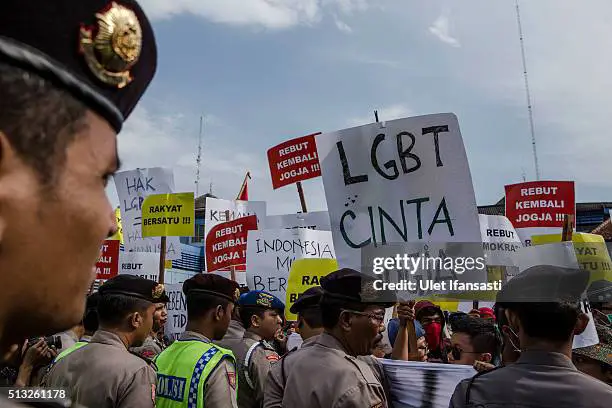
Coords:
pixel 246 312
pixel 483 335
pixel 113 309
pixel 551 321
pixel 198 304
pixel 90 321
pixel 312 316
pixel 38 119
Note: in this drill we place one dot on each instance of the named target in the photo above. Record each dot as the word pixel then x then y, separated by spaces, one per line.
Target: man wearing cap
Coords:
pixel 235 331
pixel 152 346
pixel 542 310
pixel 329 372
pixel 596 360
pixel 261 316
pixel 192 371
pixel 70 75
pixel 104 373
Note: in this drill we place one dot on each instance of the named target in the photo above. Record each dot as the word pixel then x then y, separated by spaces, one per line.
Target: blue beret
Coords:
pixel 102 52
pixel 134 286
pixel 259 298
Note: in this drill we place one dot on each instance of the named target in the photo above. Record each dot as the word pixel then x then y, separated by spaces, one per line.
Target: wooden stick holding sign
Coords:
pixel 302 198
pixel 568 227
pixel 232 268
pixel 162 260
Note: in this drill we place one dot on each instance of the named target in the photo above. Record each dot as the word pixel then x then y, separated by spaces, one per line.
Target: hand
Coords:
pixel 281 339
pixel 39 354
pixel 481 366
pixel 405 312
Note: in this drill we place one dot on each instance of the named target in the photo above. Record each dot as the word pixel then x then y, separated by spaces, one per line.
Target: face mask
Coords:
pixel 432 334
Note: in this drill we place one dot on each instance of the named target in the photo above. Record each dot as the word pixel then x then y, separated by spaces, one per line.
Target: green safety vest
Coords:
pixel 182 371
pixel 69 350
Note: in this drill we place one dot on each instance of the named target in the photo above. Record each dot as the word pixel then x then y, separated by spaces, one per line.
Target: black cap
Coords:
pixel 310 298
pixel 102 52
pixel 545 283
pixel 134 286
pixel 350 286
pixel 212 285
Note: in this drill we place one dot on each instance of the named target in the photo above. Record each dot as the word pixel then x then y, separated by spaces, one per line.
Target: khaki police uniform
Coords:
pixel 105 374
pixel 149 349
pixel 234 335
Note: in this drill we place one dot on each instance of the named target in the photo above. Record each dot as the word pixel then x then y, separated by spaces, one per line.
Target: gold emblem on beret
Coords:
pixel 158 290
pixel 116 46
pixel 264 300
pixel 236 294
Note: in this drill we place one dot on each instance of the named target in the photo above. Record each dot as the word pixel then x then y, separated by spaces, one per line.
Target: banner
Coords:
pixel 218 211
pixel 143 264
pixel 168 215
pixel 306 273
pixel 119 234
pixel 108 263
pixel 539 204
pixel 270 254
pixel 591 253
pixel 500 240
pixel 133 186
pixel 317 220
pixel 177 311
pixel 294 160
pixel 406 180
pixel 226 243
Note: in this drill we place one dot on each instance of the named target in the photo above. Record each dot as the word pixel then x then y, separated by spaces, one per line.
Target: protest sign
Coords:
pixel 133 186
pixel 316 220
pixel 561 254
pixel 305 273
pixel 406 180
pixel 177 311
pixel 168 215
pixel 218 211
pixel 108 262
pixel 418 385
pixel 226 243
pixel 118 236
pixel 500 240
pixel 270 254
pixel 294 160
pixel 143 264
pixel 591 253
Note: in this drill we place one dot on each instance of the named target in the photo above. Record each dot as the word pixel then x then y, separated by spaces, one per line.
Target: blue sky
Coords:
pixel 264 71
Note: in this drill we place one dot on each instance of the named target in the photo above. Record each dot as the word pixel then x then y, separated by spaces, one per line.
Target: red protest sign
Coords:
pixel 226 243
pixel 108 263
pixel 540 203
pixel 294 160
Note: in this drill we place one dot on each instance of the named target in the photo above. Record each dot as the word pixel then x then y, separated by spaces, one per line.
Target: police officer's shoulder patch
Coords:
pixel 231 379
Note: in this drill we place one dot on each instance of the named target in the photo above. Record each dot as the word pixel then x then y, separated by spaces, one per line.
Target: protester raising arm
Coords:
pixel 405 345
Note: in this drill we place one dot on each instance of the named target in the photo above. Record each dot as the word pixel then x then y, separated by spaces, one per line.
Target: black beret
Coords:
pixel 134 286
pixel 350 286
pixel 545 283
pixel 309 298
pixel 212 285
pixel 102 52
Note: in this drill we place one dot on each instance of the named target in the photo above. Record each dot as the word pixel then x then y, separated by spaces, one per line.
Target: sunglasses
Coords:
pixel 456 352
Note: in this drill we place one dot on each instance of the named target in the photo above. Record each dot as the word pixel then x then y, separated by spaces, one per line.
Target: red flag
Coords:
pixel 244 190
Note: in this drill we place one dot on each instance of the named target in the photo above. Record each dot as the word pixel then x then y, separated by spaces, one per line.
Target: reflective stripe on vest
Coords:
pixel 69 350
pixel 182 371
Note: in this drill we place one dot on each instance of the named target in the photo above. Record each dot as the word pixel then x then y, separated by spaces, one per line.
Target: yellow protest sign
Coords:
pixel 168 215
pixel 591 252
pixel 305 273
pixel 168 264
pixel 119 234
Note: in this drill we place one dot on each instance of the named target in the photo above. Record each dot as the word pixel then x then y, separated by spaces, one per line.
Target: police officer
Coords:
pixel 542 314
pixel 152 347
pixel 329 372
pixel 104 373
pixel 193 372
pixel 261 316
pixel 70 75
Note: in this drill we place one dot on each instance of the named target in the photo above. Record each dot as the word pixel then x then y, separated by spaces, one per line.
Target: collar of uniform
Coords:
pixel 329 341
pixel 85 338
pixel 250 335
pixel 109 338
pixel 235 324
pixel 310 340
pixel 537 357
pixel 191 335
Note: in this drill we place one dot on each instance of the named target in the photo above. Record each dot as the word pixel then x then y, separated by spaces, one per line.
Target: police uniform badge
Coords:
pixel 231 379
pixel 236 294
pixel 158 291
pixel 264 299
pixel 115 47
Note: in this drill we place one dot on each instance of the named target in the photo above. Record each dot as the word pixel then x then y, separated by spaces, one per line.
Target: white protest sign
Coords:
pixel 217 212
pixel 407 180
pixel 133 186
pixel 525 234
pixel 563 255
pixel 415 385
pixel 317 220
pixel 239 275
pixel 499 240
pixel 177 311
pixel 143 264
pixel 270 254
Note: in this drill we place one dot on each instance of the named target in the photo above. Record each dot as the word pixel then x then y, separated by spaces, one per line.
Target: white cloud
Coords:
pixel 274 14
pixel 342 26
pixel 441 29
pixel 385 113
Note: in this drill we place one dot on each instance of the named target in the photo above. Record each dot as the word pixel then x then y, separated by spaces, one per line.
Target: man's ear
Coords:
pixel 486 357
pixel 136 320
pixel 581 323
pixel 219 312
pixel 345 320
pixel 255 321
